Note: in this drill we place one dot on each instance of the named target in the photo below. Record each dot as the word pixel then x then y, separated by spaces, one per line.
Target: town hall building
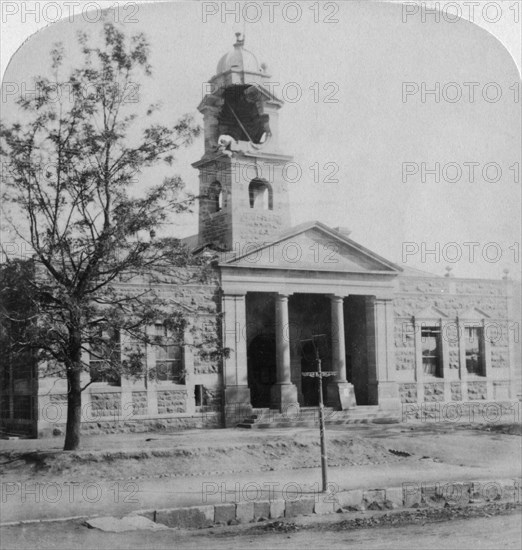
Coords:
pixel 279 296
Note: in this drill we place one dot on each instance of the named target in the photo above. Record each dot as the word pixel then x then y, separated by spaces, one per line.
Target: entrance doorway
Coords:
pixel 261 369
pixel 356 346
pixel 310 385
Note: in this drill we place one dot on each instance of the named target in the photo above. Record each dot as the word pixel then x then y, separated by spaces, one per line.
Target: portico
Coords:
pixel 271 304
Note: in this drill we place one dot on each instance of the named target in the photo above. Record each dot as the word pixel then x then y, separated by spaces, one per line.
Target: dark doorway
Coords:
pixel 261 369
pixel 356 346
pixel 310 385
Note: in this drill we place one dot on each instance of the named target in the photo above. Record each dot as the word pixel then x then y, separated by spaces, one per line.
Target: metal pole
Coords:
pixel 324 459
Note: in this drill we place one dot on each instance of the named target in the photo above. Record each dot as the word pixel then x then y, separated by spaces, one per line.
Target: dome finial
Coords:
pixel 240 39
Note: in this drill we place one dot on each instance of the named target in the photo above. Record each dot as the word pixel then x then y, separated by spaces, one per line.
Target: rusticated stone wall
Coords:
pixel 453 298
pixel 106 404
pixel 477 391
pixel 139 403
pixel 195 292
pixel 404 344
pixel 456 391
pixel 172 401
pixel 434 392
pixel 206 420
pixel 408 393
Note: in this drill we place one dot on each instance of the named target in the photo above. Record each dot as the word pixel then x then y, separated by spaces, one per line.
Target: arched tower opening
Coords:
pixel 260 195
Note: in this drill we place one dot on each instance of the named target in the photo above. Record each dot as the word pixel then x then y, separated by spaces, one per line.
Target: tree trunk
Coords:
pixel 74 412
pixel 74 398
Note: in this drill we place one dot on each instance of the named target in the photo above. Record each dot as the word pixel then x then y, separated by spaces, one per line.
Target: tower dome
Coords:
pixel 239 59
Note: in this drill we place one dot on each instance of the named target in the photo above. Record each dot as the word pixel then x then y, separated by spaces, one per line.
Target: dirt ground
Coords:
pixel 214 452
pixel 116 475
pixel 487 528
pixel 272 453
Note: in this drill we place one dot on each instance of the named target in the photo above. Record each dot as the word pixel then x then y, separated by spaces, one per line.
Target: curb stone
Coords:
pixel 410 495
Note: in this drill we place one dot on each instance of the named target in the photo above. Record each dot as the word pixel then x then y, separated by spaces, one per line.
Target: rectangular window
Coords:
pixel 431 351
pixel 199 395
pixel 169 357
pixel 23 407
pixel 105 358
pixel 5 409
pixel 473 338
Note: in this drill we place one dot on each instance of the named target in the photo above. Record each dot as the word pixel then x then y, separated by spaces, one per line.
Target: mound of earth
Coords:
pixel 278 453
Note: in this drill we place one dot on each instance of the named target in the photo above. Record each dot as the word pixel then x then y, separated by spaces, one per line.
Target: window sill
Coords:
pixel 167 384
pixel 104 387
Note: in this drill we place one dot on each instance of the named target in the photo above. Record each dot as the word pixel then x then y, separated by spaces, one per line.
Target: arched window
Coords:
pixel 260 194
pixel 215 197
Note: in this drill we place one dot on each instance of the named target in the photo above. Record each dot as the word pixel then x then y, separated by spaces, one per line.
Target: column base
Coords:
pixel 283 396
pixel 238 406
pixel 340 395
pixel 386 395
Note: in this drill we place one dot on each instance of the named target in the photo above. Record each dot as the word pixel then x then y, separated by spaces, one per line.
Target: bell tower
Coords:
pixel 242 172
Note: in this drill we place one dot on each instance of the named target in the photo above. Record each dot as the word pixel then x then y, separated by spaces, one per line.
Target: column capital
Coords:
pixel 337 297
pixel 233 294
pixel 382 299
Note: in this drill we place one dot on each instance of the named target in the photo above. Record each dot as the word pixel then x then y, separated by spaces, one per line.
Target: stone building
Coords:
pixel 395 339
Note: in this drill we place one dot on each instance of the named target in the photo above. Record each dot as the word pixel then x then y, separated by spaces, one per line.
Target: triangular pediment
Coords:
pixel 314 247
pixel 430 313
pixel 473 314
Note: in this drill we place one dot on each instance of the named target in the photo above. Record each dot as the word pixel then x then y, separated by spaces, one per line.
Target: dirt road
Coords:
pixel 498 531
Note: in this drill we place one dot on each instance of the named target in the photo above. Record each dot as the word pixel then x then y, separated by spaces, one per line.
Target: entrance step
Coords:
pixel 308 417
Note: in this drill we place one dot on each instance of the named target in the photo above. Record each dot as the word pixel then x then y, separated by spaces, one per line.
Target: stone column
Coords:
pixel 340 394
pixel 463 371
pixel 283 392
pixel 419 371
pixel 486 358
pixel 383 389
pixel 445 358
pixel 235 375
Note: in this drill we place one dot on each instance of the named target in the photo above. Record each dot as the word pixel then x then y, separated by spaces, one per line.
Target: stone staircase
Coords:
pixel 308 417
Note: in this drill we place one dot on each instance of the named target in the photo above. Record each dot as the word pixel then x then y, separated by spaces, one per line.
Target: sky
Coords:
pixel 427 180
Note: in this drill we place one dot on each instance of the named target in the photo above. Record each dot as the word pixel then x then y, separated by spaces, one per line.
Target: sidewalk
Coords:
pixel 451 456
pixel 41 500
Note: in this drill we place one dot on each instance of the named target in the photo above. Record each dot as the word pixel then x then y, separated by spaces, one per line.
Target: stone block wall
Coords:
pixel 137 405
pixel 170 401
pixel 454 299
pixel 106 404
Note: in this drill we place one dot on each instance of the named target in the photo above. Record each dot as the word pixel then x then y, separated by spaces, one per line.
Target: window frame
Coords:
pixel 439 372
pixel 478 327
pixel 176 363
pixel 113 336
pixel 427 320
